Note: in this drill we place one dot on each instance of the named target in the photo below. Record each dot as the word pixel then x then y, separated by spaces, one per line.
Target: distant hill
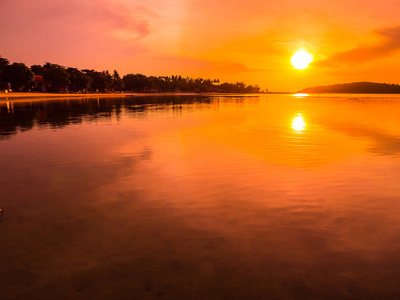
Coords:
pixel 356 88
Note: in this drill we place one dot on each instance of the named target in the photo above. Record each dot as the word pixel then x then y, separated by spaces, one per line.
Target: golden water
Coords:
pixel 239 197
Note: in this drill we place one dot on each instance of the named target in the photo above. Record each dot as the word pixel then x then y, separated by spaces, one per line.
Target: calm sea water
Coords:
pixel 239 197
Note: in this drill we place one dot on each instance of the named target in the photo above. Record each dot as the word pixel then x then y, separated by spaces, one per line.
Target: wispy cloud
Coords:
pixel 71 32
pixel 192 66
pixel 388 43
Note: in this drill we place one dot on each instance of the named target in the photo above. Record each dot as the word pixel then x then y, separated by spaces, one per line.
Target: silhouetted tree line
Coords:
pixel 58 78
pixel 355 88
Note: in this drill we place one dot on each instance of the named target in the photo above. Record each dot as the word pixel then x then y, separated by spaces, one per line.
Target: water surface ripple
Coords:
pixel 201 197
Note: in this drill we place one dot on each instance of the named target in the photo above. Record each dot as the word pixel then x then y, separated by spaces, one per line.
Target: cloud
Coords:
pixel 193 65
pixel 163 65
pixel 109 17
pixel 74 32
pixel 389 43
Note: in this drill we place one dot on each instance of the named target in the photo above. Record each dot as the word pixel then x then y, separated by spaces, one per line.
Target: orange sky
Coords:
pixel 234 40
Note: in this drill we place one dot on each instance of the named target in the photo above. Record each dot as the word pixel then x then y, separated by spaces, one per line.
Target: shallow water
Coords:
pixel 239 197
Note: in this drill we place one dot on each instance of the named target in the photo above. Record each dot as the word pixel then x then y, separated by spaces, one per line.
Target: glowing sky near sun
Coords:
pixel 249 41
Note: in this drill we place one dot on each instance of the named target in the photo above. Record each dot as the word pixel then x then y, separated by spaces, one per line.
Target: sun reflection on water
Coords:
pixel 298 123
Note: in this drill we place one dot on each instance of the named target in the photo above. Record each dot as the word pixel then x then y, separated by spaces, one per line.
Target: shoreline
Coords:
pixel 15 97
pixel 53 96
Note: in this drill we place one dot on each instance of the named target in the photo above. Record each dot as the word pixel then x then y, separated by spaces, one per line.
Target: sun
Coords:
pixel 301 59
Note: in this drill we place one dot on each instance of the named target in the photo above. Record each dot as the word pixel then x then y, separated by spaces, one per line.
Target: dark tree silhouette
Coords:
pixel 99 81
pixel 3 64
pixel 117 83
pixel 37 69
pixel 78 80
pixel 136 83
pixel 20 76
pixel 57 76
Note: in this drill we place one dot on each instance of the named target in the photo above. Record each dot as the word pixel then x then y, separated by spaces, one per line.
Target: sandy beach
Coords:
pixel 53 96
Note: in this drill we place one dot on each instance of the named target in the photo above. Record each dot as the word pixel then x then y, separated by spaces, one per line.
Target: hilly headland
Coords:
pixel 354 88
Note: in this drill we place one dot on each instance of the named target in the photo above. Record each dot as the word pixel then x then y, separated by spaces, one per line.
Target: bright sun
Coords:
pixel 301 59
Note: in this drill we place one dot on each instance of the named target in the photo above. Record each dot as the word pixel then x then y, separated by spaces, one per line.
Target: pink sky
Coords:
pixel 234 40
